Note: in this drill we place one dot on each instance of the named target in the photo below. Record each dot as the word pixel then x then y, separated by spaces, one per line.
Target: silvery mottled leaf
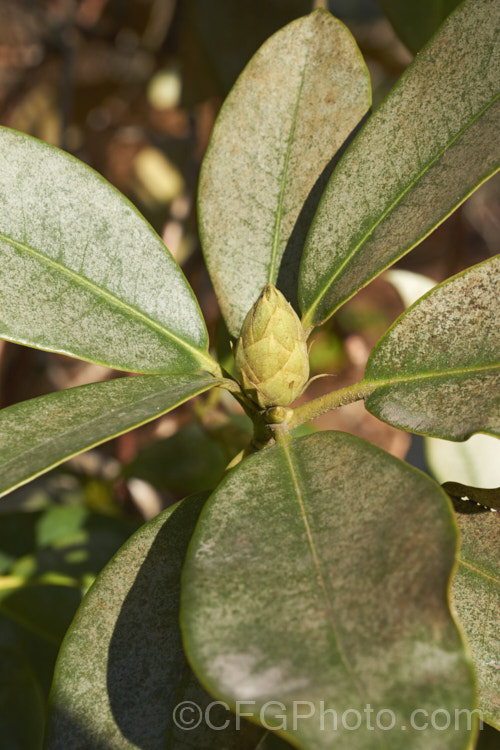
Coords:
pixel 437 369
pixel 121 671
pixel 425 149
pixel 318 572
pixel 290 111
pixel 38 434
pixel 476 596
pixel 82 273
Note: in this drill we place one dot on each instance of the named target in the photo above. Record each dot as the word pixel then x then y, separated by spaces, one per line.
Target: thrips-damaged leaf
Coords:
pixel 318 572
pixel 121 679
pixel 405 172
pixel 290 111
pixel 83 273
pixel 476 596
pixel 39 434
pixel 437 369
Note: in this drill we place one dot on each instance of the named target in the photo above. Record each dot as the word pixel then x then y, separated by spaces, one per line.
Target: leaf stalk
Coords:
pixel 327 402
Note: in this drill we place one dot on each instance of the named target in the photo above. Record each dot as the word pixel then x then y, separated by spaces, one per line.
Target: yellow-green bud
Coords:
pixel 271 353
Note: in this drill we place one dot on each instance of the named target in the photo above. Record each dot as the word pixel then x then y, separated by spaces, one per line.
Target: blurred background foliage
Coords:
pixel 133 87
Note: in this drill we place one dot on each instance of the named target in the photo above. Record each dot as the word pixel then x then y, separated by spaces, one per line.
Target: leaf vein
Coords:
pixel 279 214
pixel 396 202
pixel 321 579
pixel 83 281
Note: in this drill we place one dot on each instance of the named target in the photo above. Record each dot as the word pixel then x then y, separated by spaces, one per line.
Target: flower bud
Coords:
pixel 271 353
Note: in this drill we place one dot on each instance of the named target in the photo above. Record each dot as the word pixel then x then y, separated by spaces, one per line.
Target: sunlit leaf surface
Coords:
pixel 475 462
pixel 37 435
pixel 476 596
pixel 425 149
pixel 437 370
pixel 81 272
pixel 318 572
pixel 290 111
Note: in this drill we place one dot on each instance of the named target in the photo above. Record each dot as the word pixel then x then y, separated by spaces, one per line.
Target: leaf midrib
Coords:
pixel 310 312
pixel 322 582
pixel 279 214
pixel 379 383
pixel 104 293
pixel 53 440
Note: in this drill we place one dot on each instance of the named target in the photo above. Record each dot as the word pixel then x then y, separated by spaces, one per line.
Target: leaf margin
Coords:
pixel 100 386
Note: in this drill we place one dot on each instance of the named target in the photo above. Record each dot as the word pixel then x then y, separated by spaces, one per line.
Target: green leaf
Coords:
pixel 437 369
pixel 82 273
pixel 488 738
pixel 44 609
pixel 476 596
pixel 318 572
pixel 271 741
pixel 186 462
pixel 34 617
pixel 61 523
pixel 64 540
pixel 231 32
pixel 21 703
pixel 486 499
pixel 415 21
pixel 39 434
pixel 475 461
pixel 270 155
pixel 426 148
pixel 121 670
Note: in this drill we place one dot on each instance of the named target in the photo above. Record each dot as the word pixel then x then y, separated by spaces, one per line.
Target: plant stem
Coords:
pixel 329 401
pixel 230 385
pixel 210 365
